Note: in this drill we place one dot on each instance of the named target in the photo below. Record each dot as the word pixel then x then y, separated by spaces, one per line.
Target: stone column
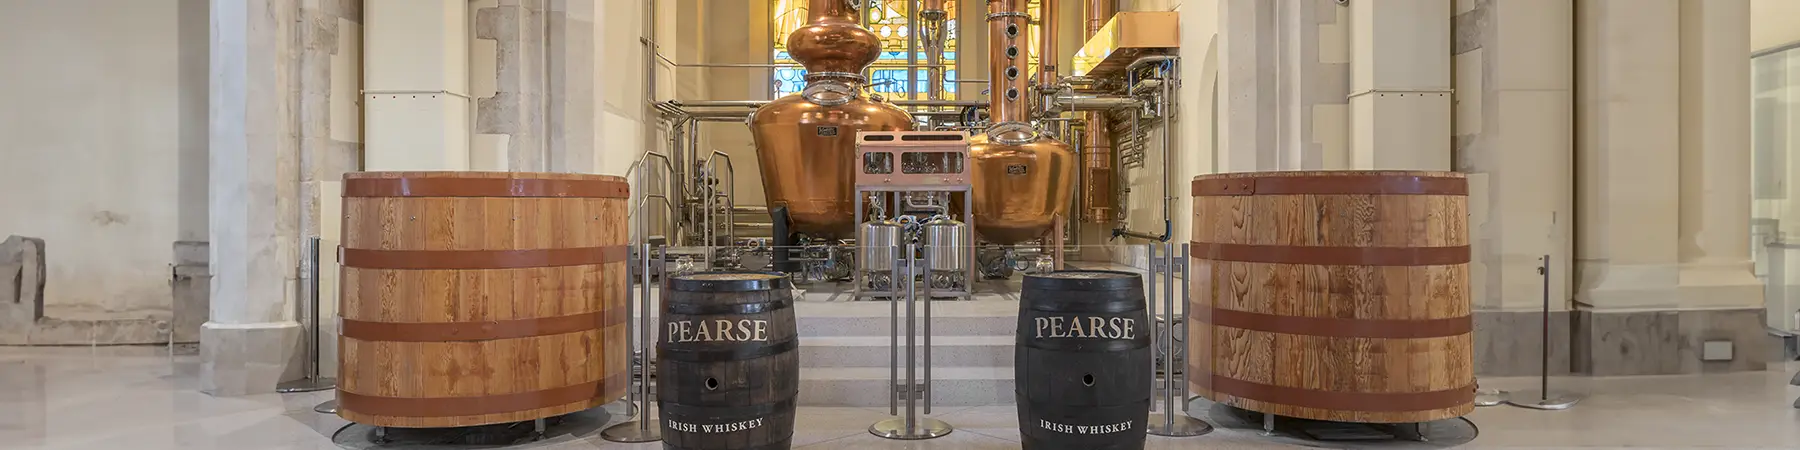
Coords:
pixel 1513 130
pixel 1313 84
pixel 1716 270
pixel 1628 155
pixel 1195 119
pixel 1400 84
pixel 508 67
pixel 416 81
pixel 253 162
pixel 1247 86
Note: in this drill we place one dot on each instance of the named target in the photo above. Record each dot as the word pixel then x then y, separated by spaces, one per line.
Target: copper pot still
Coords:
pixel 805 142
pixel 1023 179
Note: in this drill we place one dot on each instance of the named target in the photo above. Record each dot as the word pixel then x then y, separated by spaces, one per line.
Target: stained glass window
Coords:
pixel 888 75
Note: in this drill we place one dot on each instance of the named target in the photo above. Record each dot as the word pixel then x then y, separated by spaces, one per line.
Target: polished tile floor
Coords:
pixel 145 398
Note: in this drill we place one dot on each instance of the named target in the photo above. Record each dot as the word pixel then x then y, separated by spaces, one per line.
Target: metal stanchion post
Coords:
pixel 1172 422
pixel 312 382
pixel 910 426
pixel 640 430
pixel 1544 398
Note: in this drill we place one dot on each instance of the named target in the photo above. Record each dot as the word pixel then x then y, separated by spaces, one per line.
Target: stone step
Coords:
pixel 868 386
pixel 873 351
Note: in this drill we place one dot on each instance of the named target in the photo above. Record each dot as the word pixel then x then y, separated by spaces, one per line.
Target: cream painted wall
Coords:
pixel 1774 23
pixel 103 145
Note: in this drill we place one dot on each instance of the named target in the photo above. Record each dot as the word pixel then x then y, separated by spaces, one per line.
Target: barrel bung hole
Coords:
pixel 1087 380
pixel 712 384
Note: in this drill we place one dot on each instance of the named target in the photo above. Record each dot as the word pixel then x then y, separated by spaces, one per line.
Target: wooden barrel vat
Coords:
pixel 1333 295
pixel 1082 361
pixel 473 298
pixel 728 362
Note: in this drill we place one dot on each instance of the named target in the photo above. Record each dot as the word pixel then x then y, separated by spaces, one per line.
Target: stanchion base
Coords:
pixel 1183 426
pixel 1490 397
pixel 629 433
pixel 329 407
pixel 306 385
pixel 1547 401
pixel 923 428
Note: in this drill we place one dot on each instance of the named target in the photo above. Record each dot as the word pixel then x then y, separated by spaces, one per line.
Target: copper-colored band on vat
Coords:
pixel 482 259
pixel 1332 185
pixel 1344 401
pixel 1338 327
pixel 1331 256
pixel 484 187
pixel 363 330
pixel 474 406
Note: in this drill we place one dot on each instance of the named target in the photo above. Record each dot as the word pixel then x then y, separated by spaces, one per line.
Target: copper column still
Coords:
pixel 1022 177
pixel 805 142
pixel 1097 195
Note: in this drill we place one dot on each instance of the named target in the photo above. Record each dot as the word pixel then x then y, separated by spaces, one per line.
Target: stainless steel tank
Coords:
pixel 948 245
pixel 876 241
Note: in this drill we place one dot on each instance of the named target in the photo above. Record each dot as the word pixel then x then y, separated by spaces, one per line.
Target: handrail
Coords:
pixel 730 199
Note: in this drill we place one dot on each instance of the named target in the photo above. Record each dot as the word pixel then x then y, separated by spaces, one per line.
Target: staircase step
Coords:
pixel 873 351
pixel 868 386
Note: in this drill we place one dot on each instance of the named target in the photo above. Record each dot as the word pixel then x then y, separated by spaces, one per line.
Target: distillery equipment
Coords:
pixel 805 141
pixel 876 256
pixel 918 176
pixel 947 251
pixel 1022 178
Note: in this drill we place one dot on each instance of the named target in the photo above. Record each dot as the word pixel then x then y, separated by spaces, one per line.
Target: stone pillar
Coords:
pixel 1195 120
pixel 1247 86
pixel 1662 254
pixel 571 117
pixel 416 81
pixel 1400 84
pixel 1313 84
pixel 508 68
pixel 248 344
pixel 1716 270
pixel 1513 123
pixel 1628 154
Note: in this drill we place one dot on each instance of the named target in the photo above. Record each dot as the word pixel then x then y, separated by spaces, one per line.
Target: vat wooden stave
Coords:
pixel 1332 295
pixel 472 298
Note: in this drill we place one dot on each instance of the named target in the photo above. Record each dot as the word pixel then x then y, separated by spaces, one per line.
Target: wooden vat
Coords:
pixel 1332 295
pixel 473 298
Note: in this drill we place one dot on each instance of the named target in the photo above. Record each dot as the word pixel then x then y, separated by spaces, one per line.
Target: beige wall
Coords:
pixel 103 145
pixel 1774 23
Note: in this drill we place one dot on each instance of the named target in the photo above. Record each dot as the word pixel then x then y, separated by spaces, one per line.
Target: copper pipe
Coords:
pixel 933 5
pixel 1099 193
pixel 829 11
pixel 1007 62
pixel 1098 12
pixel 1047 56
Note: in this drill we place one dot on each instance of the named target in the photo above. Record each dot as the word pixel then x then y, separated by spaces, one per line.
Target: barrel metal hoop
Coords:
pixel 1332 256
pixel 1337 327
pixel 1372 184
pixel 665 351
pixel 1038 304
pixel 726 413
pixel 696 309
pixel 485 187
pixel 370 331
pixel 699 282
pixel 479 405
pixel 1080 345
pixel 1345 401
pixel 482 259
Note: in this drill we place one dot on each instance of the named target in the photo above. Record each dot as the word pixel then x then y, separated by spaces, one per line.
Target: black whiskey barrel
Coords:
pixel 1082 371
pixel 727 363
